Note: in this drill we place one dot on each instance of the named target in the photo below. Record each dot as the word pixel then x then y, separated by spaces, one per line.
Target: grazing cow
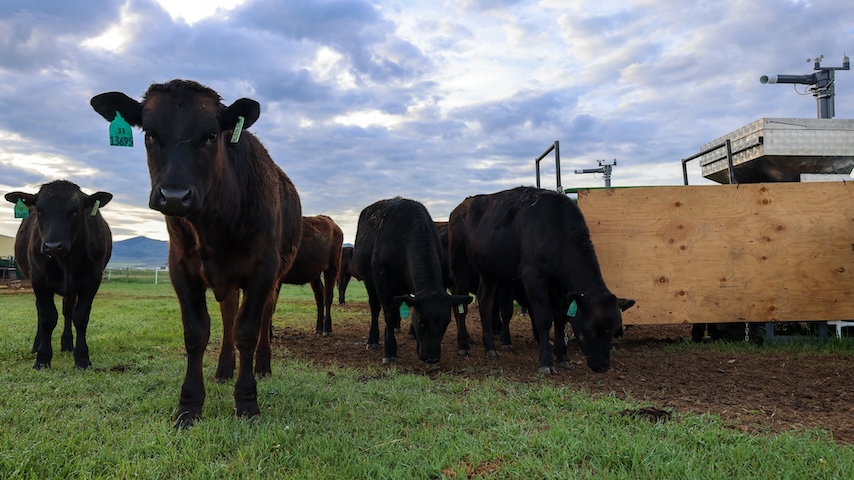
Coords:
pixel 63 247
pixel 539 238
pixel 233 217
pixel 398 254
pixel 348 270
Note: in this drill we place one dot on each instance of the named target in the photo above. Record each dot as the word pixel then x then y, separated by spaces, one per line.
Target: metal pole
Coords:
pixel 557 165
pixel 731 169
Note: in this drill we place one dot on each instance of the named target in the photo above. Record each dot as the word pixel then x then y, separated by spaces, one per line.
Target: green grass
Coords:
pixel 114 420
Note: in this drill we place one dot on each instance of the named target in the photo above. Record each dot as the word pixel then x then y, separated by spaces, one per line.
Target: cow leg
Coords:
pixel 560 341
pixel 317 289
pixel 541 318
pixel 67 341
pixel 343 280
pixel 47 318
pixel 374 302
pixel 392 324
pixel 463 337
pixel 505 313
pixel 486 299
pixel 328 295
pixel 228 310
pixel 197 330
pixel 256 304
pixel 263 352
pixel 80 316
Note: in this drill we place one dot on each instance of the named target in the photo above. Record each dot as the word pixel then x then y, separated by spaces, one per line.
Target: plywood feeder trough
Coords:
pixel 748 252
pixel 728 253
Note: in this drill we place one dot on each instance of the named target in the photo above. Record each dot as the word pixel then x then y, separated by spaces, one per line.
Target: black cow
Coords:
pixel 63 248
pixel 348 271
pixel 539 238
pixel 397 252
pixel 234 220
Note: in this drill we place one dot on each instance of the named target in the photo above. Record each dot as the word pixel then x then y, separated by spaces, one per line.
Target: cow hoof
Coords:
pixel 463 352
pixel 221 380
pixel 491 353
pixel 318 332
pixel 546 370
pixel 83 364
pixel 373 346
pixel 507 348
pixel 566 365
pixel 186 419
pixel 327 334
pixel 389 360
pixel 39 365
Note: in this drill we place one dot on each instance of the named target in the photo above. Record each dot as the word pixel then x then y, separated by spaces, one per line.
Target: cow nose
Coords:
pixel 173 201
pixel 53 248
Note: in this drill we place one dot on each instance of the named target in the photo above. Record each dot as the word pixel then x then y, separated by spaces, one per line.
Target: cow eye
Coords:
pixel 150 138
pixel 212 138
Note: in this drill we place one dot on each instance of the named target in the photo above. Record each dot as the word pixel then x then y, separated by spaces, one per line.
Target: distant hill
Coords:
pixel 140 252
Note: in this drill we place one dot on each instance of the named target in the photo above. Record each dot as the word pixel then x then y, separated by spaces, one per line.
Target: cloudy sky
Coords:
pixel 367 99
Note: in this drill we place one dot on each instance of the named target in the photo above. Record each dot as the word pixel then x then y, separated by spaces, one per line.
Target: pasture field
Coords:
pixel 328 420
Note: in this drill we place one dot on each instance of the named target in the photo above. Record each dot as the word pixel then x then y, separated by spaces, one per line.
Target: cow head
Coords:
pixel 596 319
pixel 60 212
pixel 187 131
pixel 431 314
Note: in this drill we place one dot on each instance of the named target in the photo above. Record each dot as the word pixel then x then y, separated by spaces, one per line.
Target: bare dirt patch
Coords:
pixel 760 392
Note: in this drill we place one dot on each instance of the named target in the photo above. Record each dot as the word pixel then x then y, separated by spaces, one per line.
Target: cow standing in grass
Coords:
pixel 398 254
pixel 233 216
pixel 63 247
pixel 539 238
pixel 317 262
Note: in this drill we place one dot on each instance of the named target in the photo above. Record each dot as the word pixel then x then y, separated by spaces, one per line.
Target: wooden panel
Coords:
pixel 727 253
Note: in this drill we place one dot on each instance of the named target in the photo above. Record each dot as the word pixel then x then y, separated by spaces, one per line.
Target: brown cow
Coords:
pixel 319 255
pixel 232 214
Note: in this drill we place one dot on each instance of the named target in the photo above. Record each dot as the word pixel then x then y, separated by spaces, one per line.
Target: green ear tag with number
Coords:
pixel 121 134
pixel 21 210
pixel 235 137
pixel 404 310
pixel 573 309
pixel 461 309
pixel 95 208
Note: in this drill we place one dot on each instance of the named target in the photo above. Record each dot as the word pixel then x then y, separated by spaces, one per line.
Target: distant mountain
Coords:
pixel 140 252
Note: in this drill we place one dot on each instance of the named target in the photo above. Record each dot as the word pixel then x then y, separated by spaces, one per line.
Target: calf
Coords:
pixel 63 247
pixel 233 216
pixel 398 253
pixel 538 238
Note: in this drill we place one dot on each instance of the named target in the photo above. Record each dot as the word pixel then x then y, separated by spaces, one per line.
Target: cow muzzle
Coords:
pixel 174 202
pixel 55 249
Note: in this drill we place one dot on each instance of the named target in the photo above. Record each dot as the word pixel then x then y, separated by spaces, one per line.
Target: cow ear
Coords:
pixel 107 104
pixel 625 303
pixel 460 300
pixel 247 108
pixel 103 197
pixel 28 198
pixel 408 298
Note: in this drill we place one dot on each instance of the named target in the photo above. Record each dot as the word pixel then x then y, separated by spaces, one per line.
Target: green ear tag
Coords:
pixel 235 137
pixel 121 134
pixel 573 309
pixel 461 309
pixel 404 310
pixel 95 208
pixel 21 210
